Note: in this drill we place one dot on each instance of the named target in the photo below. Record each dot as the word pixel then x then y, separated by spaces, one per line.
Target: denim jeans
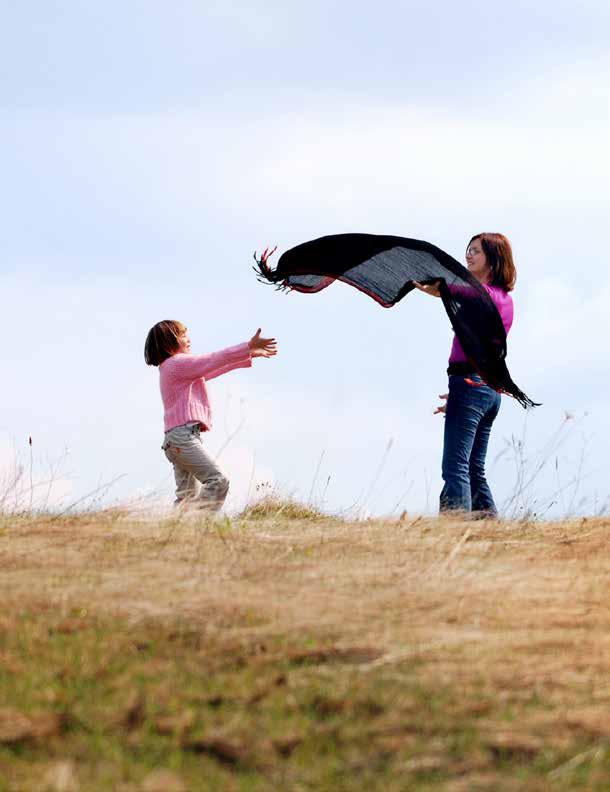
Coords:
pixel 471 411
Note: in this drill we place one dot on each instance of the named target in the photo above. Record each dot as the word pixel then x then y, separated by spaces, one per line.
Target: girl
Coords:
pixel 187 408
pixel 471 405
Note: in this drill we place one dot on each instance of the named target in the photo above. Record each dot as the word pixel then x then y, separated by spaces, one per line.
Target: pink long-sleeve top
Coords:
pixel 183 377
pixel 504 304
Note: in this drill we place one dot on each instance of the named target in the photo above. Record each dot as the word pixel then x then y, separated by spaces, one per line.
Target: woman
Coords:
pixel 471 405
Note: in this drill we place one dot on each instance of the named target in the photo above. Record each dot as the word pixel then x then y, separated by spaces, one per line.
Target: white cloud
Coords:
pixel 250 481
pixel 387 155
pixel 573 94
pixel 562 332
pixel 371 164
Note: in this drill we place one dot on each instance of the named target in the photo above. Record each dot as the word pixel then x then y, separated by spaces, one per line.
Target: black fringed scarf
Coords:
pixel 384 267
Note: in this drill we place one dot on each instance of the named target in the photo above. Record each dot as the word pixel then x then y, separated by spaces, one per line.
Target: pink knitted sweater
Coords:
pixel 183 377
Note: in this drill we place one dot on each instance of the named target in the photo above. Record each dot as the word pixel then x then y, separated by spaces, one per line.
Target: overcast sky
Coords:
pixel 146 150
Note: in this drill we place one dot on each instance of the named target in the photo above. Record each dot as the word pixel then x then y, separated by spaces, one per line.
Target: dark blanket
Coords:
pixel 384 267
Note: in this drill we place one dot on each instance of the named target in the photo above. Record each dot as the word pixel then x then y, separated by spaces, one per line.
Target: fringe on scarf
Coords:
pixel 264 274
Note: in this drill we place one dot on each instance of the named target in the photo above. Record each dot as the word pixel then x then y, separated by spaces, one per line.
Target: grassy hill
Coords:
pixel 284 650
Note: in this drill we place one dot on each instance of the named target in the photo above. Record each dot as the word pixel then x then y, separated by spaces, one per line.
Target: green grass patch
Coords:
pixel 117 705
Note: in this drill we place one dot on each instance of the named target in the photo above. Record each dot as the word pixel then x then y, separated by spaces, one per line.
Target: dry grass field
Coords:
pixel 284 650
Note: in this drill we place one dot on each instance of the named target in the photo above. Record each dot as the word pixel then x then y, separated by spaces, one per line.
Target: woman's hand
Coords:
pixel 262 347
pixel 442 408
pixel 432 289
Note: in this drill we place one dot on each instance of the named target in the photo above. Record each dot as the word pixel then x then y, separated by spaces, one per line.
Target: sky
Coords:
pixel 147 149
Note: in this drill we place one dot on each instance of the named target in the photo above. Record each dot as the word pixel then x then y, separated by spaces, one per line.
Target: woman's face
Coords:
pixel 476 261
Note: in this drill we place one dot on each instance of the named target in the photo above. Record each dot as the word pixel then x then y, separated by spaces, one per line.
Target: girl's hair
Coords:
pixel 162 341
pixel 499 255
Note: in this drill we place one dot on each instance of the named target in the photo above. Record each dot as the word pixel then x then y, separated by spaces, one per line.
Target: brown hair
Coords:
pixel 162 341
pixel 499 255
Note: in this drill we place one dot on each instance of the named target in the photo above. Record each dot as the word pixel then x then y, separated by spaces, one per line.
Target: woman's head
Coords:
pixel 165 339
pixel 489 258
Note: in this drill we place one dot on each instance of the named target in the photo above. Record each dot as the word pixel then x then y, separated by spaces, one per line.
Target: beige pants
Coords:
pixel 198 479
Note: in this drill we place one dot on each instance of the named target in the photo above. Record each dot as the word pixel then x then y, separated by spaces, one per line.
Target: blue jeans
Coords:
pixel 471 411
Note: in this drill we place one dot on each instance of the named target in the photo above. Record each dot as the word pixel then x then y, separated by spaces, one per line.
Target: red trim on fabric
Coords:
pixel 480 384
pixel 326 281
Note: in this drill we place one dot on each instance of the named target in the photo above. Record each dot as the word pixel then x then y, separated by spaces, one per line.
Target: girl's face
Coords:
pixel 184 342
pixel 476 261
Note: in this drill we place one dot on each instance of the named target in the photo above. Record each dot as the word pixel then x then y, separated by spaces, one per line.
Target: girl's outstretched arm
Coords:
pixel 192 367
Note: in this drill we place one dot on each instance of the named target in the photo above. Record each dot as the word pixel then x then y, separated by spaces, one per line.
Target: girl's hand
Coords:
pixel 429 288
pixel 262 347
pixel 442 408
